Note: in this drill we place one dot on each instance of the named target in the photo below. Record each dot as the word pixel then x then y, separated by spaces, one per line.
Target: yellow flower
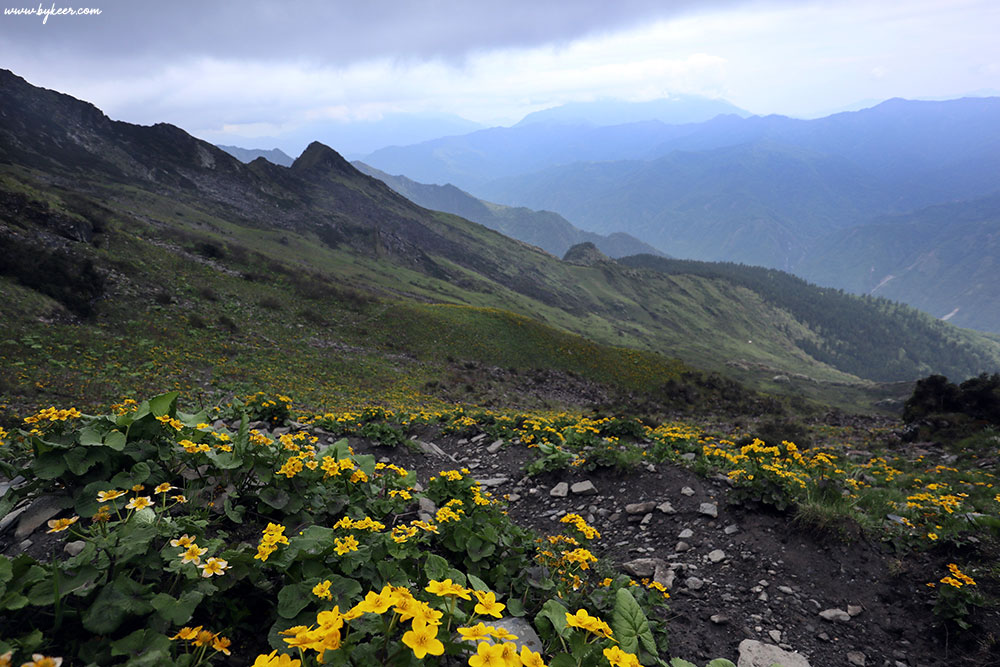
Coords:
pixel 164 488
pixel 105 496
pixel 187 633
pixel 619 658
pixel 275 660
pixel 184 540
pixel 322 590
pixel 59 525
pixel 502 634
pixel 221 644
pixel 531 659
pixel 476 632
pixel 488 604
pixel 423 640
pixel 488 655
pixel 447 588
pixel 192 554
pixel 345 545
pixel 377 603
pixel 180 498
pixel 39 660
pixel 138 503
pixel 214 566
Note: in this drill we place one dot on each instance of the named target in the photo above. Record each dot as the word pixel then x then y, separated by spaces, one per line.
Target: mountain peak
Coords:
pixel 319 157
pixel 585 254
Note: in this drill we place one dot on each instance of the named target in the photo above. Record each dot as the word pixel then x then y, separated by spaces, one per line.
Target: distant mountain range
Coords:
pixel 119 223
pixel 274 156
pixel 547 230
pixel 772 191
pixel 673 110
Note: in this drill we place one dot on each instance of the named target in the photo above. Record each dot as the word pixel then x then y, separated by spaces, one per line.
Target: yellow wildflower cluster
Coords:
pixel 259 439
pixel 578 522
pixel 274 535
pixel 51 414
pixel 592 624
pixel 957 579
pixel 126 406
pixel 369 524
pixel 200 637
pixel 167 420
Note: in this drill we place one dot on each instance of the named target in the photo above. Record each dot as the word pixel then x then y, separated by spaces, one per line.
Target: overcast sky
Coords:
pixel 254 68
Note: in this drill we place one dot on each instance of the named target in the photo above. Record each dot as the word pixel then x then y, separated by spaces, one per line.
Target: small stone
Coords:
pixel 709 509
pixel 477 438
pixel 687 491
pixel 716 555
pixel 426 505
pixel 758 654
pixel 787 590
pixel 856 658
pixel 775 636
pixel 650 468
pixel 74 548
pixel 731 529
pixel 763 597
pixel 513 497
pixel 694 583
pixel 639 508
pixel 685 534
pixel 24 545
pixel 495 447
pixel 560 490
pixel 854 609
pixel 682 546
pixel 646 519
pixel 493 481
pixel 585 488
pixel 643 567
pixel 688 456
pixel 835 615
pixel 38 513
pixel 825 637
pixel 719 619
pixel 666 508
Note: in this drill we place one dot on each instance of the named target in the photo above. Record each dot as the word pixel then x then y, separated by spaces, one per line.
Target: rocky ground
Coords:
pixel 735 573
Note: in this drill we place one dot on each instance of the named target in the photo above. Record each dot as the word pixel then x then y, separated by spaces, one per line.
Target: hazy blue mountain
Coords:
pixel 472 160
pixel 547 230
pixel 274 156
pixel 356 138
pixel 674 110
pixel 943 260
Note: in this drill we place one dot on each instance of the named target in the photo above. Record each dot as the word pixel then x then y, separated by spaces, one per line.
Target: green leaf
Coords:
pixel 563 660
pixel 123 597
pixel 115 440
pixel 91 436
pixel 294 598
pixel 630 624
pixel 678 662
pixel 145 647
pixel 478 549
pixel 477 583
pixel 49 465
pixel 242 444
pixel 343 590
pixel 6 573
pixel 139 473
pixel 81 459
pixel 435 567
pixel 164 404
pixel 234 512
pixel 177 611
pixel 275 497
pixel 515 607
pixel 313 541
pixel 554 613
pixel 720 662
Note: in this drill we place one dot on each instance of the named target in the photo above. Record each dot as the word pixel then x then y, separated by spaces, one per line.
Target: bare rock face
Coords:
pixel 758 654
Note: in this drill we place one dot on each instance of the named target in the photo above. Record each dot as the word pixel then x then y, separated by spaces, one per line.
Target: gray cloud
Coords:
pixel 328 32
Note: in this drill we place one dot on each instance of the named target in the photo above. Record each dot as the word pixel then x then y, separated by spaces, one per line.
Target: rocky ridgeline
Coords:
pixel 742 583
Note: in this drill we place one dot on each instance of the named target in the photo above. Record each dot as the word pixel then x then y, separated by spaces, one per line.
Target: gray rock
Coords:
pixel 688 456
pixel 682 546
pixel 514 497
pixel 5 485
pixel 787 590
pixel 38 513
pixel 495 447
pixel 493 482
pixel 709 509
pixel 856 658
pixel 775 636
pixel 560 490
pixel 687 491
pixel 584 488
pixel 854 609
pixel 426 505
pixel 74 548
pixel 646 519
pixel 643 567
pixel 430 449
pixel 731 529
pixel 835 615
pixel 694 583
pixel 758 654
pixel 685 534
pixel 11 518
pixel 666 508
pixel 719 619
pixel 716 555
pixel 639 508
pixel 479 437
pixel 526 635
